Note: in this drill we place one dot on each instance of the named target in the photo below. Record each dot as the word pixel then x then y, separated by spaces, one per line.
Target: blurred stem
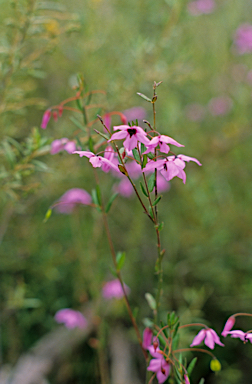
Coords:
pixel 102 361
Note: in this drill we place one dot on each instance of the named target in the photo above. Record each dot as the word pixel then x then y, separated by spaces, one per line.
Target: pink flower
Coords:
pixel 61 145
pixel 162 141
pixel 171 166
pixel 147 338
pixel 187 381
pixel 209 335
pixel 45 119
pixel 245 337
pixel 135 113
pixel 131 135
pixel 124 188
pixel 97 161
pixel 229 325
pixel 113 289
pixel 158 365
pixel 71 318
pixel 67 202
pixel 243 39
pixel 220 105
pixel 199 7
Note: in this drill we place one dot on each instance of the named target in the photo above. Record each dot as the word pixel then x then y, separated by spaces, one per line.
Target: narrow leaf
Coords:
pixel 91 144
pixel 47 215
pixel 77 123
pixel 157 200
pixel 112 198
pixel 98 193
pixel 191 366
pixel 143 189
pixel 123 170
pixel 120 259
pixel 202 381
pixel 144 97
pixel 136 155
pixel 145 159
pixel 151 301
pixel 151 182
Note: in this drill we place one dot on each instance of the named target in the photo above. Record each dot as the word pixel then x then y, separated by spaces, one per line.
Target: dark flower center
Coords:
pixel 132 131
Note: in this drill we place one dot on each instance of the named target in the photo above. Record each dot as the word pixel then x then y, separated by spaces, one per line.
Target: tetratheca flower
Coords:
pixel 209 336
pixel 70 318
pixel 131 135
pixel 158 365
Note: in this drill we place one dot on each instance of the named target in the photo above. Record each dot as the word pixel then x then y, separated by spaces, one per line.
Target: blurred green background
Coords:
pixel 121 48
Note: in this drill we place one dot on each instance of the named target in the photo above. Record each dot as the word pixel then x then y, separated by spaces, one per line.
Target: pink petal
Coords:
pixel 199 337
pixel 228 326
pixel 45 119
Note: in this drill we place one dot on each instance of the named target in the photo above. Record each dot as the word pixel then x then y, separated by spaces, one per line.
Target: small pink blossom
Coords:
pixel 61 145
pixel 71 198
pixel 187 381
pixel 45 119
pixel 132 136
pixel 199 7
pixel 158 365
pixel 147 338
pixel 228 326
pixel 209 336
pixel 70 318
pixel 97 161
pixel 243 39
pixel 162 141
pixel 135 113
pixel 220 105
pixel 113 289
pixel 245 337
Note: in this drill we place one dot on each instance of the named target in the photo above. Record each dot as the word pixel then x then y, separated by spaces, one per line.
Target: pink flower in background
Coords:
pixel 147 338
pixel 113 289
pixel 187 381
pixel 124 188
pixel 135 113
pixel 220 105
pixel 158 365
pixel 61 145
pixel 109 154
pixel 45 119
pixel 71 198
pixel 209 336
pixel 131 135
pixel 243 39
pixel 195 112
pixel 228 326
pixel 162 141
pixel 97 161
pixel 199 7
pixel 70 318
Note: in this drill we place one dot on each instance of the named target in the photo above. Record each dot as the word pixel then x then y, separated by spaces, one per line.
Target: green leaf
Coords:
pixel 143 148
pixel 98 193
pixel 79 105
pixel 151 182
pixel 144 97
pixel 157 201
pixel 77 123
pixel 120 259
pixel 123 170
pixel 145 159
pixel 47 215
pixel 135 312
pixel 143 189
pixel 151 301
pixel 136 155
pixel 175 342
pixel 191 366
pixel 161 226
pixel 169 319
pixel 176 329
pixel 9 154
pixel 148 323
pixel 150 155
pixel 95 199
pixel 150 212
pixel 112 198
pixel 202 381
pixel 40 166
pixel 91 144
pixel 102 134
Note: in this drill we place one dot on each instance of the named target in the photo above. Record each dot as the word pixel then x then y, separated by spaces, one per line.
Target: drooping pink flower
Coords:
pixel 45 119
pixel 71 198
pixel 158 365
pixel 113 289
pixel 132 136
pixel 61 145
pixel 245 337
pixel 162 141
pixel 220 105
pixel 199 7
pixel 147 338
pixel 243 39
pixel 209 336
pixel 97 161
pixel 70 318
pixel 109 154
pixel 228 326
